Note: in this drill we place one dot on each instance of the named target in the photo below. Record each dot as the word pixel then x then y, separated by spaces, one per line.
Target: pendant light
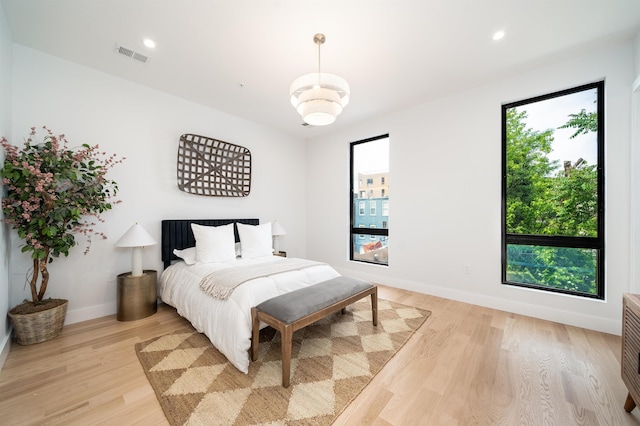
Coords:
pixel 319 97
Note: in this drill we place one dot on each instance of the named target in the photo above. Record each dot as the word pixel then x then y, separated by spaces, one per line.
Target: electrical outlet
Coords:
pixel 466 269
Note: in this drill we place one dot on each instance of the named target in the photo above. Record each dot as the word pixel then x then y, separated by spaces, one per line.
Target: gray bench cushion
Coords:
pixel 290 307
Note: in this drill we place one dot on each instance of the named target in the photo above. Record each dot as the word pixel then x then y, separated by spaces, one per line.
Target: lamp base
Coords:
pixel 136 261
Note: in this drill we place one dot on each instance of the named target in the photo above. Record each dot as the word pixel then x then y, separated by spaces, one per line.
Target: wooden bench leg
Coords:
pixel 374 306
pixel 629 404
pixel 286 335
pixel 255 334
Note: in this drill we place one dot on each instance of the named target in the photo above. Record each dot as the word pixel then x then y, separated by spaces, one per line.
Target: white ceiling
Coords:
pixel 241 56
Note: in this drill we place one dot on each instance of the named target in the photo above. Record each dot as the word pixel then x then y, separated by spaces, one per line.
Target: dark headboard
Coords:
pixel 177 234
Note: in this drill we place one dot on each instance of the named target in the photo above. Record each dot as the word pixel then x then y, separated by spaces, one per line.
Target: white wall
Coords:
pixel 635 172
pixel 5 129
pixel 636 49
pixel 445 192
pixel 144 126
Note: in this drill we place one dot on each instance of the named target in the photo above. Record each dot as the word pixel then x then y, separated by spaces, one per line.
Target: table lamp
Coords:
pixel 136 238
pixel 276 231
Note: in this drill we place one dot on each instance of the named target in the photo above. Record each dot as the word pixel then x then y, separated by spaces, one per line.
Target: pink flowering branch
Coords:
pixel 51 190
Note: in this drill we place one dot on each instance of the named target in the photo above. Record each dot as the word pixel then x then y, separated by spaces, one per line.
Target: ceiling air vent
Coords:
pixel 132 54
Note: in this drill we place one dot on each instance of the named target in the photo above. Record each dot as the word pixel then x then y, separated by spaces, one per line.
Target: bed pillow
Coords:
pixel 214 243
pixel 189 255
pixel 255 240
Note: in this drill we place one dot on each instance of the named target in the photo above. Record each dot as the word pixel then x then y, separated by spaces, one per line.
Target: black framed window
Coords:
pixel 553 192
pixel 369 165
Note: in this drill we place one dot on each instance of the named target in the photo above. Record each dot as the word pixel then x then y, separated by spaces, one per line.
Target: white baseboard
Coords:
pixel 5 347
pixel 603 325
pixel 90 312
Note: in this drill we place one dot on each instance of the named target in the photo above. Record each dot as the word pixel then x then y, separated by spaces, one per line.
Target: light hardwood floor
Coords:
pixel 466 365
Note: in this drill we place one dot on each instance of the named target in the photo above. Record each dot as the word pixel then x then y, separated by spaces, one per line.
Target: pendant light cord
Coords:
pixel 319 40
pixel 319 73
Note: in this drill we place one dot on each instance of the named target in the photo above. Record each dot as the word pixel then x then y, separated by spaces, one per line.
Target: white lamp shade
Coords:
pixel 319 97
pixel 319 112
pixel 136 236
pixel 277 229
pixel 325 80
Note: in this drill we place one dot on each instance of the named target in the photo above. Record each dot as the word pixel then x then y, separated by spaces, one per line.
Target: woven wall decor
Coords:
pixel 212 167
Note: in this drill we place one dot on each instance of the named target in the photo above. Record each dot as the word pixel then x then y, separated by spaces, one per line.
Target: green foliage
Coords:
pixel 527 169
pixel 51 192
pixel 561 268
pixel 575 202
pixel 583 121
pixel 543 199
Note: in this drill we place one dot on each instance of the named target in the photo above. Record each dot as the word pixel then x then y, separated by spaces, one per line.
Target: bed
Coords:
pixel 227 321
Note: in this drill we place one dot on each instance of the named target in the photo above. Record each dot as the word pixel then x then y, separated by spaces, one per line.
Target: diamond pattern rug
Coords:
pixel 332 361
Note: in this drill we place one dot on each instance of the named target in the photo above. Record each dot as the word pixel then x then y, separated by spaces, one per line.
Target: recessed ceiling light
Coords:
pixel 149 43
pixel 498 35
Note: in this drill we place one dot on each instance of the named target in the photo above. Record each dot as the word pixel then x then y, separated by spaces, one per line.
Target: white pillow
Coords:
pixel 255 240
pixel 189 255
pixel 214 243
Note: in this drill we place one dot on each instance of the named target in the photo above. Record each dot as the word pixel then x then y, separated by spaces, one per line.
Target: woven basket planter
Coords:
pixel 39 326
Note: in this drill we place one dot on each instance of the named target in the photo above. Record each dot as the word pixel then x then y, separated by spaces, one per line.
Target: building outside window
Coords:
pixel 553 192
pixel 370 164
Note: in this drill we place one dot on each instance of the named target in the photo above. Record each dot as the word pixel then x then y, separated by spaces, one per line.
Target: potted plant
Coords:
pixel 52 191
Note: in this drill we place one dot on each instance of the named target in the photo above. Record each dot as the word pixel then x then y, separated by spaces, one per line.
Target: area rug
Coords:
pixel 332 361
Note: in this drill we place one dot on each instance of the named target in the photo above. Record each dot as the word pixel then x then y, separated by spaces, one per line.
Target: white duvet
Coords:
pixel 227 323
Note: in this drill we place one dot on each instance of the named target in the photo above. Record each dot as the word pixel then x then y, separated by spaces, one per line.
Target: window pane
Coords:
pixel 372 250
pixel 561 268
pixel 370 195
pixel 552 157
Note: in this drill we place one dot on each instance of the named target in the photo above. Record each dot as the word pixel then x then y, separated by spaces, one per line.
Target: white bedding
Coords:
pixel 227 323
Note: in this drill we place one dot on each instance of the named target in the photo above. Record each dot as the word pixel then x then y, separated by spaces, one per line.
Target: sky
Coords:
pixel 553 113
pixel 371 157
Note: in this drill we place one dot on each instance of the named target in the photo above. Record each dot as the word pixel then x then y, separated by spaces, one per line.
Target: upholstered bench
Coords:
pixel 295 310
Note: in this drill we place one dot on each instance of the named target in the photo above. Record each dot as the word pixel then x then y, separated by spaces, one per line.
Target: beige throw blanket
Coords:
pixel 220 284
